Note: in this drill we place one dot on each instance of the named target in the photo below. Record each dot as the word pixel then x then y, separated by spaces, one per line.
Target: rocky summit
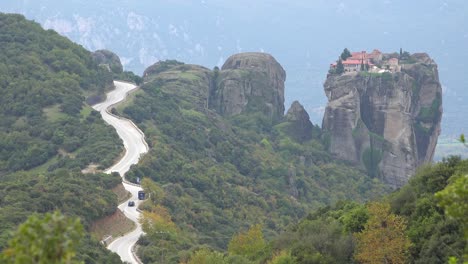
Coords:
pixel 109 60
pixel 249 82
pixel 388 121
pixel 301 125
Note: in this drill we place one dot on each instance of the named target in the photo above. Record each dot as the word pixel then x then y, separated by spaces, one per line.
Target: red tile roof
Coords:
pixel 348 61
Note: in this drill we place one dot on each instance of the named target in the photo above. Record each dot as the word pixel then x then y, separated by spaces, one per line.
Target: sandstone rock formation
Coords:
pixel 387 122
pixel 301 126
pixel 109 60
pixel 249 82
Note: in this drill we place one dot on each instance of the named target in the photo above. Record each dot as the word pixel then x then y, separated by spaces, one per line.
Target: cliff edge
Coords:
pixel 386 121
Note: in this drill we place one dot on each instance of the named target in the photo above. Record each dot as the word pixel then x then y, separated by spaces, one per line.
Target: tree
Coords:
pixel 339 67
pixel 454 200
pixel 157 222
pixel 249 244
pixel 49 239
pixel 354 220
pixel 345 54
pixel 206 256
pixel 155 192
pixel 283 257
pixel 383 239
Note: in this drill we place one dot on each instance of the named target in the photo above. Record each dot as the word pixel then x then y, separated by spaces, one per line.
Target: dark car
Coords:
pixel 141 195
pixel 131 203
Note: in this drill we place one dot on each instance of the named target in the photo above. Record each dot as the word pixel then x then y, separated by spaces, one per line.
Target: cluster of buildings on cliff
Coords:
pixel 371 62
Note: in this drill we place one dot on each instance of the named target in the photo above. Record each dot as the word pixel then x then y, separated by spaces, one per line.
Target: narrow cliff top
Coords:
pixel 254 60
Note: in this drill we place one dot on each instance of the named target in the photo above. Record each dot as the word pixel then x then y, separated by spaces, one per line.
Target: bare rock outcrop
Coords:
pixel 109 60
pixel 300 125
pixel 249 82
pixel 386 122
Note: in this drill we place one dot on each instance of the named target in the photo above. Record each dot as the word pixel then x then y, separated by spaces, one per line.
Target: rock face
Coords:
pixel 300 120
pixel 249 82
pixel 109 60
pixel 388 122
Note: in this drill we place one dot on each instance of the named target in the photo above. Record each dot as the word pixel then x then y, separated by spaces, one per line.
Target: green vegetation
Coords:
pixel 44 81
pixel 416 88
pixel 49 239
pixel 388 77
pixel 216 185
pixel 405 58
pixel 82 195
pixel 371 158
pixel 221 176
pixel 432 113
pixel 128 76
pixel 409 220
pixel 249 244
pixel 339 67
pixel 48 134
pixel 383 240
pixel 345 54
pixel 372 155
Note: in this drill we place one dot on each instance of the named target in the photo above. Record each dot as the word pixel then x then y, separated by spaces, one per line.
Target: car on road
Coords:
pixel 131 203
pixel 141 195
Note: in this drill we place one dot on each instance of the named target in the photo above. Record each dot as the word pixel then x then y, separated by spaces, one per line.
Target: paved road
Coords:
pixel 135 146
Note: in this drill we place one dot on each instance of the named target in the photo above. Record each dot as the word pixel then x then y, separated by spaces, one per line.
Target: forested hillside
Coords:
pixel 424 222
pixel 230 179
pixel 215 176
pixel 48 133
pixel 412 225
pixel 44 80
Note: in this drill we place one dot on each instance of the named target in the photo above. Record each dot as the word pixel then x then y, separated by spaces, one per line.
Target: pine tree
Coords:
pixel 345 54
pixel 339 67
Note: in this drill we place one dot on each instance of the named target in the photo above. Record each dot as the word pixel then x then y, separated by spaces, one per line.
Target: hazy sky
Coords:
pixel 304 36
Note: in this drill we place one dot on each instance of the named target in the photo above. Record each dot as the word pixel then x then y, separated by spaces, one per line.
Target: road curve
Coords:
pixel 135 146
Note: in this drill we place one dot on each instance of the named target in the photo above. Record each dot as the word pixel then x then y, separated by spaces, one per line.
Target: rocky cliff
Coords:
pixel 387 122
pixel 249 82
pixel 300 126
pixel 109 60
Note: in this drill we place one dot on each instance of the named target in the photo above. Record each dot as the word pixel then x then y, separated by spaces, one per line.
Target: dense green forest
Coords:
pixel 221 175
pixel 48 133
pixel 415 224
pixel 44 80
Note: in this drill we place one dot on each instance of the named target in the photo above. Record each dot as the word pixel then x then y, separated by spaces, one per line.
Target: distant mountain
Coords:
pixel 303 35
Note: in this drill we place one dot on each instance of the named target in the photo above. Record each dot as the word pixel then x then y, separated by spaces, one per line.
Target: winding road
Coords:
pixel 135 146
